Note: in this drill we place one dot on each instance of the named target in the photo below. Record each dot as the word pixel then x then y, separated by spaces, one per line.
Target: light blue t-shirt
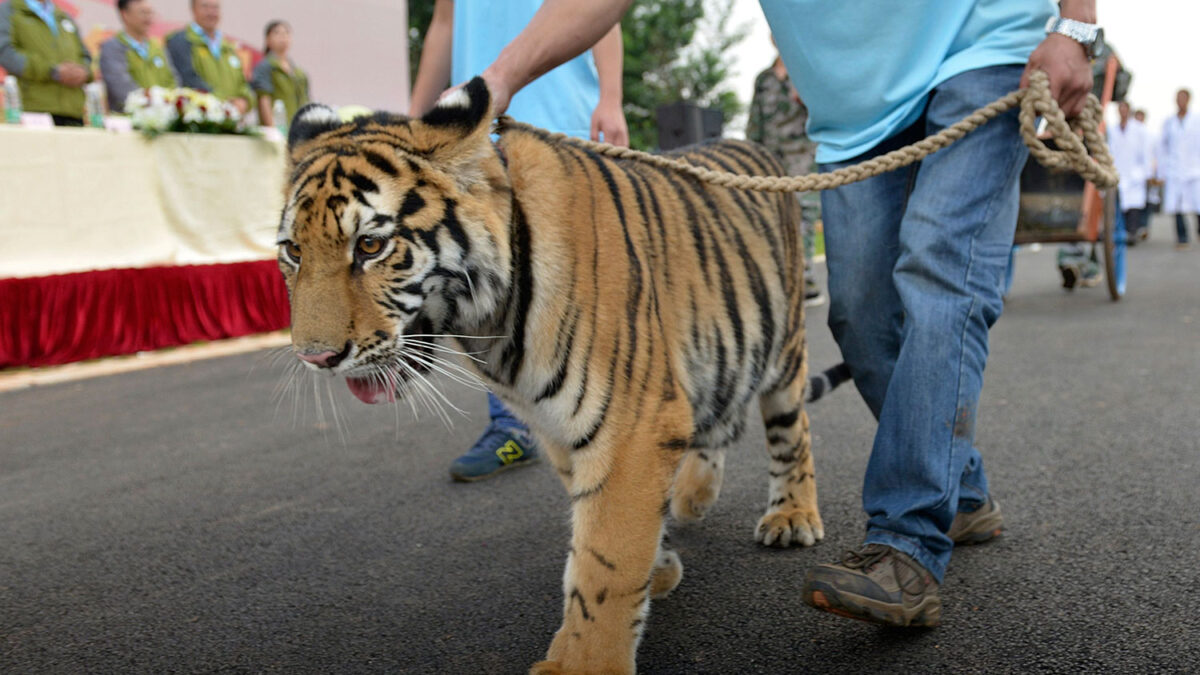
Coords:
pixel 865 67
pixel 562 100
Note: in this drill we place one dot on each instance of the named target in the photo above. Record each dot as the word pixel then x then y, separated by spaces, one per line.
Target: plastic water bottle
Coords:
pixel 12 100
pixel 279 112
pixel 92 107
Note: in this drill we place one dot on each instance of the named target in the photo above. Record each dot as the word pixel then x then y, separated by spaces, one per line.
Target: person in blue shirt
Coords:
pixel 916 257
pixel 581 97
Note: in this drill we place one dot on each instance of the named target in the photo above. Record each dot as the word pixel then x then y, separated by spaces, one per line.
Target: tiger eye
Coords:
pixel 370 246
pixel 292 249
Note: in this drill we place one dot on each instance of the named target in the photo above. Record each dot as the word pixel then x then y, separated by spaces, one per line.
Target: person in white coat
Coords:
pixel 1179 166
pixel 1128 142
pixel 1154 185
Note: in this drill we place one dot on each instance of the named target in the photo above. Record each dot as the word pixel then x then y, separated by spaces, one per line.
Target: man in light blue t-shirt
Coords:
pixel 581 97
pixel 916 257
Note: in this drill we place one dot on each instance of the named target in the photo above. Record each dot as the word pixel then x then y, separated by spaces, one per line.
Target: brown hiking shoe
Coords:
pixel 876 583
pixel 975 527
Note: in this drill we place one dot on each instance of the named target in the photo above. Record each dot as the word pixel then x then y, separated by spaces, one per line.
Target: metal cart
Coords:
pixel 1063 208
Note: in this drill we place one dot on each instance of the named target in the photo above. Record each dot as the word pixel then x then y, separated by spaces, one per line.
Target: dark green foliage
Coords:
pixel 420 13
pixel 676 50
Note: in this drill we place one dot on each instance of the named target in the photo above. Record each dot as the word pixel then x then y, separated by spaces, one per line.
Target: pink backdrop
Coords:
pixel 355 51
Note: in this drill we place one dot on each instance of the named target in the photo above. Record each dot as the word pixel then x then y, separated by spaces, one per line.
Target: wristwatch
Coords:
pixel 1089 35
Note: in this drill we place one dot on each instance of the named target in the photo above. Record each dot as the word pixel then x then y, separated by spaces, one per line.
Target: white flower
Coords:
pixel 136 100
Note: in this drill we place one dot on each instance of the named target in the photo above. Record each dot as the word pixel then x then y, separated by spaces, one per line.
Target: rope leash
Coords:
pixel 1035 101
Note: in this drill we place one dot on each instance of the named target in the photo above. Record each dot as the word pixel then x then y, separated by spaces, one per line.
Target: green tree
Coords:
pixel 420 13
pixel 675 50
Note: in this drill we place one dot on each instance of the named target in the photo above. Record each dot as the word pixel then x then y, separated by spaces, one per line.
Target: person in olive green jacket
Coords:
pixel 130 61
pixel 40 44
pixel 278 78
pixel 205 60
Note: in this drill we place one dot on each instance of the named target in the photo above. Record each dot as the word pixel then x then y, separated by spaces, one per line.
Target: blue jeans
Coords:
pixel 916 262
pixel 502 416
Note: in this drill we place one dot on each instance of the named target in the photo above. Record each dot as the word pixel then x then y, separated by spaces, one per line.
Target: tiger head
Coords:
pixel 394 231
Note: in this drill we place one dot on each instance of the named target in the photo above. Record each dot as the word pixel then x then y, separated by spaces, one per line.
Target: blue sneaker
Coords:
pixel 497 449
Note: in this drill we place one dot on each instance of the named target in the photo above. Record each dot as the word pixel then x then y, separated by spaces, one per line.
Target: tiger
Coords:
pixel 631 315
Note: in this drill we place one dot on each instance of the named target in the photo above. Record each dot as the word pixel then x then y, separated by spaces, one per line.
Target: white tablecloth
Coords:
pixel 81 199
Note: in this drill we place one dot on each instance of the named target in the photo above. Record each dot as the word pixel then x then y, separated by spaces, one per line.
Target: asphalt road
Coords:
pixel 181 520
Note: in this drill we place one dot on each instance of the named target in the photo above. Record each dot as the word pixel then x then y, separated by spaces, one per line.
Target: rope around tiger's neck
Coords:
pixel 1035 101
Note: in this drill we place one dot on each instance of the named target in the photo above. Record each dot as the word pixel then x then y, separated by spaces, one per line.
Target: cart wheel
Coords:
pixel 1114 247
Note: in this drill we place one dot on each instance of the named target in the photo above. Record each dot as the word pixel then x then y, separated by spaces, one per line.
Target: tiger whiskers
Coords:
pixel 288 385
pixel 335 413
pixel 271 357
pixel 457 337
pixel 434 399
pixel 447 350
pixel 450 370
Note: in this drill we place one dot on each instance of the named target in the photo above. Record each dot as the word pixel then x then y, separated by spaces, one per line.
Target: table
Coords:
pixel 73 200
pixel 112 243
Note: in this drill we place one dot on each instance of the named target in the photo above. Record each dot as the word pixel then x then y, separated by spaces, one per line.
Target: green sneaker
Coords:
pixel 975 527
pixel 877 583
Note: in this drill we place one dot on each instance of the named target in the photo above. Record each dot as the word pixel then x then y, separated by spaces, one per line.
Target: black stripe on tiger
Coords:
pixel 380 162
pixel 521 294
pixel 820 385
pixel 412 203
pixel 784 420
pixel 635 281
pixel 560 374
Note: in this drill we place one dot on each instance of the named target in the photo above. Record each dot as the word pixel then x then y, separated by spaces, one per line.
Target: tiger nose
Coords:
pixel 325 359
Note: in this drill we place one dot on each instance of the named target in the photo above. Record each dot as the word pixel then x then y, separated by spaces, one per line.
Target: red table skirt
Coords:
pixel 72 317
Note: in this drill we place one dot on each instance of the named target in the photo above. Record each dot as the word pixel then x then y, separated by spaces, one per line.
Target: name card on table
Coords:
pixel 32 120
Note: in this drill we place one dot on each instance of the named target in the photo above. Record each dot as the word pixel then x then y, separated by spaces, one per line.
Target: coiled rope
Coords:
pixel 1087 156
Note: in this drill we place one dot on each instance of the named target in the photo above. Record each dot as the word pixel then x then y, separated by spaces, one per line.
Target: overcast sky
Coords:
pixel 1157 41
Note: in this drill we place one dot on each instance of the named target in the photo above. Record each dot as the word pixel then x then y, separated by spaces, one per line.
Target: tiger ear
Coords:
pixel 462 111
pixel 311 121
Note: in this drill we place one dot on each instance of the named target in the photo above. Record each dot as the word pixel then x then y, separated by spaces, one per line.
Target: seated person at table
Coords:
pixel 205 60
pixel 130 61
pixel 277 77
pixel 40 44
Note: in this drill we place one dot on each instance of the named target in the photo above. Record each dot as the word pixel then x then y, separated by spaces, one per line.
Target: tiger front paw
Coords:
pixel 792 526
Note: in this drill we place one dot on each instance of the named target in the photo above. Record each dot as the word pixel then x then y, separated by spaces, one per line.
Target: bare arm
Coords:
pixel 560 31
pixel 433 73
pixel 609 118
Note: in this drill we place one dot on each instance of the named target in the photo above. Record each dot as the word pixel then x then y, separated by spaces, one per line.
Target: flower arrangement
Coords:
pixel 156 110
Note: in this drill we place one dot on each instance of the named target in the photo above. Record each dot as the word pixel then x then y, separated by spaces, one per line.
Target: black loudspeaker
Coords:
pixel 682 123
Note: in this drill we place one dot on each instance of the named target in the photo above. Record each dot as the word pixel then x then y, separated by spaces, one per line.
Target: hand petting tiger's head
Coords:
pixel 394 230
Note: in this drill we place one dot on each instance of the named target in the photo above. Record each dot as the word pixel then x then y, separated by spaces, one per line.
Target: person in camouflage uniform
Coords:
pixel 777 120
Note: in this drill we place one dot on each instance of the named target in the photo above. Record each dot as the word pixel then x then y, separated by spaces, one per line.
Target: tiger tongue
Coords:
pixel 371 390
